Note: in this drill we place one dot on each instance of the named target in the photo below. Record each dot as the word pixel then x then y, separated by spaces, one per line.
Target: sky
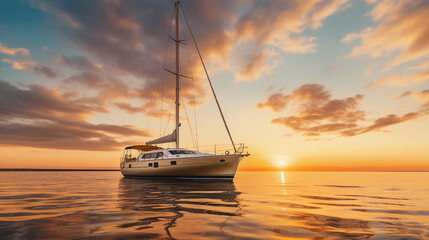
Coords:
pixel 305 85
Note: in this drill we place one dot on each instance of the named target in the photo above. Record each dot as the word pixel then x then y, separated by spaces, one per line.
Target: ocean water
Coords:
pixel 257 205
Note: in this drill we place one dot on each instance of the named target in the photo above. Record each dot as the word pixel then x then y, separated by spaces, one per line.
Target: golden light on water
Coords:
pixel 282 175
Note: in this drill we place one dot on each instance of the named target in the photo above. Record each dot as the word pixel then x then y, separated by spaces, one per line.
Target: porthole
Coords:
pixel 222 160
pixel 129 165
pixel 150 164
pixel 173 163
pixel 155 164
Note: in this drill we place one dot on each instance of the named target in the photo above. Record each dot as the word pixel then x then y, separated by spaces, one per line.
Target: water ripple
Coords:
pixel 258 205
pixel 327 198
pixel 378 197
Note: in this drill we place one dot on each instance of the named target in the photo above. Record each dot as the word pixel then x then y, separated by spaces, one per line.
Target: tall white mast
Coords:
pixel 176 8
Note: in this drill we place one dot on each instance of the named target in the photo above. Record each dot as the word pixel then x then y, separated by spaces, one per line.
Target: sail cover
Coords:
pixel 165 139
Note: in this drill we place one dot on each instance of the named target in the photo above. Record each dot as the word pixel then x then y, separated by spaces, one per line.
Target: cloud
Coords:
pixel 105 91
pixel 281 25
pixel 78 63
pixel 423 65
pixel 312 112
pixel 45 71
pixel 328 69
pixel 354 36
pixel 276 102
pixel 113 31
pixel 40 102
pixel 102 90
pixel 129 108
pixel 128 40
pixel 402 32
pixel 42 117
pixel 314 92
pixel 401 29
pixel 257 66
pixel 55 135
pixel 20 65
pixel 401 80
pixel 420 96
pixel 389 120
pixel 58 12
pixel 14 51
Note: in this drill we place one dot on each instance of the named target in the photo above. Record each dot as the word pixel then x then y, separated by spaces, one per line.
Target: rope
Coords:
pixel 208 78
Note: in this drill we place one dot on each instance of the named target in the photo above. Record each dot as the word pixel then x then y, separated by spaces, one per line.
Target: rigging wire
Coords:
pixel 189 123
pixel 161 75
pixel 193 92
pixel 208 78
pixel 168 119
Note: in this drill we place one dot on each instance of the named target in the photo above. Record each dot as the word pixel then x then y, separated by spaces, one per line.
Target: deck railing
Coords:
pixel 218 149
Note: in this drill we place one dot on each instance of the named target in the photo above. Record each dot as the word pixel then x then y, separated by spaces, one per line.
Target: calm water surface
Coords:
pixel 257 205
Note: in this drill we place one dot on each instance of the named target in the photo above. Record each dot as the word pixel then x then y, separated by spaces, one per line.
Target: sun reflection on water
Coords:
pixel 282 175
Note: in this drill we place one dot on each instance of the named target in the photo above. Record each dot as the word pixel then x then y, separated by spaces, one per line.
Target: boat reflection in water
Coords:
pixel 159 206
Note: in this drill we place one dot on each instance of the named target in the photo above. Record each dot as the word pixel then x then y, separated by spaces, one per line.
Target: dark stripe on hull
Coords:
pixel 225 178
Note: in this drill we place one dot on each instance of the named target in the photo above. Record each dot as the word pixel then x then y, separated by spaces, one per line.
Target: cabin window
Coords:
pixel 155 164
pixel 173 163
pixel 222 160
pixel 150 164
pixel 150 155
pixel 176 152
pixel 129 165
pixel 160 154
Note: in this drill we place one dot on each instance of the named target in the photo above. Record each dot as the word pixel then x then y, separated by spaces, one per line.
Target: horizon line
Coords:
pixel 244 170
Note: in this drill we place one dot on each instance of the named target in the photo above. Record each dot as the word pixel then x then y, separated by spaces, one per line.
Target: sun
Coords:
pixel 282 161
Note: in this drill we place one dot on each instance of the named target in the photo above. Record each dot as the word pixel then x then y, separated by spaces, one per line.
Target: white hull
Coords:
pixel 214 167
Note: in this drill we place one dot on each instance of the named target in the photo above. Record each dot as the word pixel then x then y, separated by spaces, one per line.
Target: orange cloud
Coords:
pixel 257 66
pixel 401 80
pixel 423 65
pixel 280 25
pixel 417 96
pixel 312 112
pixel 13 51
pixel 42 117
pixel 103 88
pixel 112 32
pixel 401 28
pixel 385 121
pixel 353 36
pixel 20 65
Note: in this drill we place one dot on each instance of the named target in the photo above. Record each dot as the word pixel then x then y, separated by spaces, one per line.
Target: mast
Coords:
pixel 176 9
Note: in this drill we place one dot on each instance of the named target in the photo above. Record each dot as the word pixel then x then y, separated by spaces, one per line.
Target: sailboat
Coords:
pixel 152 161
